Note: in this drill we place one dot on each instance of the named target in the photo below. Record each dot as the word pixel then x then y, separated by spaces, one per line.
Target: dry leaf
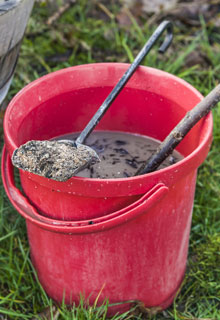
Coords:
pixel 47 314
pixel 157 6
pixel 140 308
pixel 123 18
pixel 151 6
pixel 191 12
pixel 188 12
pixel 197 58
pixel 59 11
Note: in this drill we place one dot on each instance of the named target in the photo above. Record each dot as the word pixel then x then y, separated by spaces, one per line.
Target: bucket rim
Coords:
pixel 192 161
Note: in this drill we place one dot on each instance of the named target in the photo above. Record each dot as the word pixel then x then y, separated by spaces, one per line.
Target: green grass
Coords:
pixel 82 35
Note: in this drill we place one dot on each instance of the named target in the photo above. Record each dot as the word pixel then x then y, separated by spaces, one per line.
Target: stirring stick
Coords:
pixel 180 131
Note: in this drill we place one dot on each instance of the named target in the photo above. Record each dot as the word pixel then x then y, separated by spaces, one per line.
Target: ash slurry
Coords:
pixel 121 154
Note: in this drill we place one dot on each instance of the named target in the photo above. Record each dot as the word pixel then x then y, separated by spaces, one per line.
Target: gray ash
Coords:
pixel 53 159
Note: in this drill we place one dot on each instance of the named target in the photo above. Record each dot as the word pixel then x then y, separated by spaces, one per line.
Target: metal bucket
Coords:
pixel 14 15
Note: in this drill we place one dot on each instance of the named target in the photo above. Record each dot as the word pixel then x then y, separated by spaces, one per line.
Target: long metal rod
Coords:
pixel 165 25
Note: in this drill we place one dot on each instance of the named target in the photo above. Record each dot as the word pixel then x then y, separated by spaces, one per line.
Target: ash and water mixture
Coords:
pixel 121 154
pixel 106 155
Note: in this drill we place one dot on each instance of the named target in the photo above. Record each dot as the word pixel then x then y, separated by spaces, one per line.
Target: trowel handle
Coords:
pixel 165 25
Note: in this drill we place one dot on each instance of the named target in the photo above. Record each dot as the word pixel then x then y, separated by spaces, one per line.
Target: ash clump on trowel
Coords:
pixel 57 160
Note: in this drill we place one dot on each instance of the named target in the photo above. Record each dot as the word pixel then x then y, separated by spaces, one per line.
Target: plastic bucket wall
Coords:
pixel 152 103
pixel 139 254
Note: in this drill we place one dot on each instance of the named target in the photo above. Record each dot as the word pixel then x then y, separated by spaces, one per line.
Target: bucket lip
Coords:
pixel 157 176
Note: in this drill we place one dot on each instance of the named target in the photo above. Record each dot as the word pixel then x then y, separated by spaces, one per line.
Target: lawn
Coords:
pixel 90 32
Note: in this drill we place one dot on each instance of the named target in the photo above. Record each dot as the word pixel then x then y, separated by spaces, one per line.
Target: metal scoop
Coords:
pixel 62 159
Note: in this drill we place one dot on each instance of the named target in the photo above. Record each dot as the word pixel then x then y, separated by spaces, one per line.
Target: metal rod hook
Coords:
pixel 164 26
pixel 167 25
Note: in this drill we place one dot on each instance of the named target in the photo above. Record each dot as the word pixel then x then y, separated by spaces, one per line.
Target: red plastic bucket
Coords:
pixel 151 103
pixel 136 248
pixel 140 254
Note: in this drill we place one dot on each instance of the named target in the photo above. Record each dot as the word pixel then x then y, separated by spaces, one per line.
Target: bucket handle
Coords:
pixel 25 208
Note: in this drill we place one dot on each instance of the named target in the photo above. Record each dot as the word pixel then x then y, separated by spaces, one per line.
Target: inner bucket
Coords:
pixel 151 104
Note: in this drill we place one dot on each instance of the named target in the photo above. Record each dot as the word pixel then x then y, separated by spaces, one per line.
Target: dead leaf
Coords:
pixel 190 12
pixel 48 314
pixel 59 11
pixel 139 307
pixel 105 10
pixel 123 18
pixel 157 6
pixel 197 58
pixel 151 6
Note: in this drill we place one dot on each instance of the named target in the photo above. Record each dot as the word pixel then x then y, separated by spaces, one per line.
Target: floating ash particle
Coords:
pixel 115 161
pixel 120 142
pixel 132 163
pixel 121 150
pixel 125 174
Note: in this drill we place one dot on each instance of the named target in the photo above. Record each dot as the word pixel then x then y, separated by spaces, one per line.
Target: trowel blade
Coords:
pixel 54 159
